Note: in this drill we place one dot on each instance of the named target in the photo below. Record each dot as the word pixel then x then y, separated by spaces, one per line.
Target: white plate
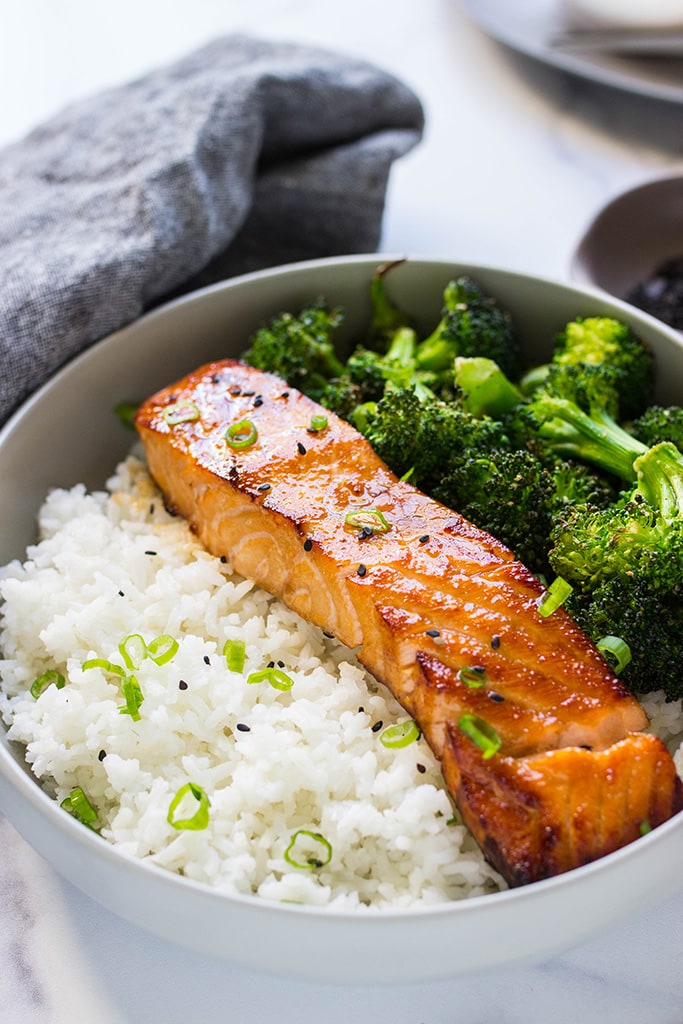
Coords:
pixel 528 25
pixel 67 433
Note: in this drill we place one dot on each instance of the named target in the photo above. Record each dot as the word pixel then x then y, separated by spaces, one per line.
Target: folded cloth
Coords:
pixel 245 154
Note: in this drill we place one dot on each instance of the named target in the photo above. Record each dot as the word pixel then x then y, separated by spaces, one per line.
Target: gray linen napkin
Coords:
pixel 245 154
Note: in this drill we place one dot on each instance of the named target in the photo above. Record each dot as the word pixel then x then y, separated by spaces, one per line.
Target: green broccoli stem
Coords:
pixel 386 318
pixel 485 388
pixel 596 438
pixel 660 478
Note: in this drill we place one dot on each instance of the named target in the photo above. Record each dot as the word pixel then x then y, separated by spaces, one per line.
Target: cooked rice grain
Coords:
pixel 112 564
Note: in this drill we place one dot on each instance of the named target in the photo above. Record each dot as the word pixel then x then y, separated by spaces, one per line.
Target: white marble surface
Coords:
pixel 515 160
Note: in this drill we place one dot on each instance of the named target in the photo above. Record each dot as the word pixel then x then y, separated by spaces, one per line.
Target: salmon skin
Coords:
pixel 438 610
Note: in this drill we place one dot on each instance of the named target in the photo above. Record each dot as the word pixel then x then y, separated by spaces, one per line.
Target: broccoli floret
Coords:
pixel 660 423
pixel 631 552
pixel 472 324
pixel 299 348
pixel 607 345
pixel 419 436
pixel 386 318
pixel 651 624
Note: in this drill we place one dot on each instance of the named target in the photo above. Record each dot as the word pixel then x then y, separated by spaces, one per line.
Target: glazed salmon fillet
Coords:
pixel 437 610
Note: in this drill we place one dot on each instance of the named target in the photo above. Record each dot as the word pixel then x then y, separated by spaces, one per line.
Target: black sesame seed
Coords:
pixel 264 487
pixel 498 697
pixel 243 727
pixel 478 669
pixel 258 401
pixel 150 552
pixel 433 632
pixel 330 636
pixel 366 532
pixel 280 664
pixel 362 569
pixel 121 593
pixel 424 538
pixel 301 448
pixel 215 378
pixel 285 394
pixel 585 746
pixel 207 659
pixel 271 664
pixel 182 685
pixel 377 726
pixel 235 390
pixel 361 709
pixel 495 642
pixel 102 754
pixel 223 559
pixel 308 544
pixel 232 471
pixel 421 768
pixel 151 509
pixel 248 394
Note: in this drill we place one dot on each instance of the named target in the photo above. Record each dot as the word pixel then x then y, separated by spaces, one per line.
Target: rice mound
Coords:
pixel 271 762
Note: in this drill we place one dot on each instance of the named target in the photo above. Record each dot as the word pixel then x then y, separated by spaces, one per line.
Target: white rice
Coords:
pixel 112 564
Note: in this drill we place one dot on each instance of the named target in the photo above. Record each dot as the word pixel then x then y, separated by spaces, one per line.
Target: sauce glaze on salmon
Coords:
pixel 438 610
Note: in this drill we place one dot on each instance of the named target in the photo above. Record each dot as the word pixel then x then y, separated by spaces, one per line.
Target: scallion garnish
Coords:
pixel 235 654
pixel 308 850
pixel 400 735
pixel 49 678
pixel 481 733
pixel 180 412
pixel 242 434
pixel 318 423
pixel 133 650
pixel 133 697
pixel 104 664
pixel 644 828
pixel 555 596
pixel 616 651
pixel 367 519
pixel 200 819
pixel 78 805
pixel 474 677
pixel 275 676
pixel 162 648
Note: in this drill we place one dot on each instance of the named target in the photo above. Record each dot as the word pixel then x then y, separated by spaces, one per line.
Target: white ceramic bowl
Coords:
pixel 66 433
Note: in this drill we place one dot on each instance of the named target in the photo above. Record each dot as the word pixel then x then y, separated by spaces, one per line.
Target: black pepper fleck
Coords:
pixel 433 632
pixel 495 642
pixel 102 754
pixel 377 726
pixel 243 727
pixel 421 768
pixel 232 471
pixel 182 685
pixel 308 544
pixel 362 569
pixel 301 448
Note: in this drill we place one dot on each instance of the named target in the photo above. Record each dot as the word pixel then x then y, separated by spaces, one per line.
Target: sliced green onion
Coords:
pixel 304 839
pixel 241 434
pixel 235 654
pixel 367 518
pixel 180 412
pixel 275 676
pixel 407 475
pixel 52 676
pixel 318 423
pixel 616 651
pixel 78 805
pixel 200 818
pixel 473 677
pixel 133 650
pixel 162 648
pixel 133 697
pixel 400 735
pixel 555 596
pixel 125 411
pixel 644 828
pixel 481 733
pixel 106 666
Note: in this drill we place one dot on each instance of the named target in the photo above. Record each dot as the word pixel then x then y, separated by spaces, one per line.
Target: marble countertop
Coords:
pixel 516 159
